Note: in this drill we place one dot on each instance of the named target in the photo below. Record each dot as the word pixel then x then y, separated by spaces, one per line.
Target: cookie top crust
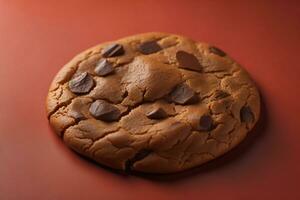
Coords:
pixel 153 102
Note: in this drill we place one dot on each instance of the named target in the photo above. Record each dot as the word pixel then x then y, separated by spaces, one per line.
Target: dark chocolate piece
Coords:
pixel 81 84
pixel 113 50
pixel 104 111
pixel 103 68
pixel 141 154
pixel 188 61
pixel 183 94
pixel 149 47
pixel 206 123
pixel 217 51
pixel 220 94
pixel 246 114
pixel 157 113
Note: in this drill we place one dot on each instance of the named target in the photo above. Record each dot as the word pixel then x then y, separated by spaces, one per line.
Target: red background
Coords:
pixel 38 37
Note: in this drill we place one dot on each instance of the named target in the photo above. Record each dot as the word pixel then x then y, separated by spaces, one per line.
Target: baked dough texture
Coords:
pixel 154 103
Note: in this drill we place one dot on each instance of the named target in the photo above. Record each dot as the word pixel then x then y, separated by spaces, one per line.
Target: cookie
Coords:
pixel 154 103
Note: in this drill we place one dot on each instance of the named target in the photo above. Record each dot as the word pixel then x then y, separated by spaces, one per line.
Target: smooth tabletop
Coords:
pixel 38 37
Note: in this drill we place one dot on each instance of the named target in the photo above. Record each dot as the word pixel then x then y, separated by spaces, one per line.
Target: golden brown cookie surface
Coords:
pixel 153 102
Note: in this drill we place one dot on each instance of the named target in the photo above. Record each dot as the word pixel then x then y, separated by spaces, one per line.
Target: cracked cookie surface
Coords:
pixel 155 102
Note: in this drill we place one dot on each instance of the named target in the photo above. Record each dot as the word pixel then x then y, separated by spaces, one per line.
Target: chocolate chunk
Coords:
pixel 81 84
pixel 75 111
pixel 183 94
pixel 157 113
pixel 220 94
pixel 104 111
pixel 77 115
pixel 149 47
pixel 206 123
pixel 246 114
pixel 140 155
pixel 188 61
pixel 217 51
pixel 103 68
pixel 113 50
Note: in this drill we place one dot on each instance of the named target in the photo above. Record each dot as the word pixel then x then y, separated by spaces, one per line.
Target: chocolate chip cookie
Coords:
pixel 155 102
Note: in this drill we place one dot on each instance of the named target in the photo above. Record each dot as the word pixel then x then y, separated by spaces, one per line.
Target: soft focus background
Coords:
pixel 38 37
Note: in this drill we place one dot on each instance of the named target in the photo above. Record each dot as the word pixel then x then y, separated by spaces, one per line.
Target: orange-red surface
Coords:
pixel 38 37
